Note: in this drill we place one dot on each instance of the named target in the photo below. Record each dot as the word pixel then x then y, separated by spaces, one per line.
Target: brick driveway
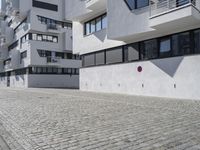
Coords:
pixel 57 119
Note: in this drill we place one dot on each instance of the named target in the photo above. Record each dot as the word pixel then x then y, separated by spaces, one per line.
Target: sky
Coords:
pixel 0 4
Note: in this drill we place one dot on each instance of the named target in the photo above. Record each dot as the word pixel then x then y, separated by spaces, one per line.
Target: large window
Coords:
pixel 44 5
pixel 136 4
pixel 95 25
pixel 149 49
pixel 89 60
pixel 181 44
pixel 100 58
pixel 165 47
pixel 131 52
pixel 197 41
pixel 54 23
pixel 114 55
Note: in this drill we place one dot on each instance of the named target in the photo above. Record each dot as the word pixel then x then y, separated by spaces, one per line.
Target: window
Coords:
pixel 89 60
pixel 44 53
pixel 114 55
pixel 100 58
pixel 44 38
pixel 55 39
pixel 39 37
pixel 98 24
pixel 12 46
pixel 87 28
pixel 104 21
pixel 131 52
pixel 34 37
pixel 130 4
pixel 92 26
pixel 23 55
pixel 136 4
pixel 165 47
pixel 181 44
pixel 95 25
pixel 197 41
pixel 44 5
pixel 184 42
pixel 149 49
pixel 141 3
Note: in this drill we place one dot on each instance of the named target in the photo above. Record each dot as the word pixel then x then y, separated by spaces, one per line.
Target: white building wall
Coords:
pixel 97 41
pixel 176 77
pixel 66 81
pixel 19 81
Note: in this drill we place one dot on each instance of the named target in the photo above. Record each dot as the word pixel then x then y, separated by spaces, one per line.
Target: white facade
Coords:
pixel 36 45
pixel 167 28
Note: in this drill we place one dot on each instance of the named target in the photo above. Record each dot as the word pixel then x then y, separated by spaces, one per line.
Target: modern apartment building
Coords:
pixel 36 45
pixel 140 47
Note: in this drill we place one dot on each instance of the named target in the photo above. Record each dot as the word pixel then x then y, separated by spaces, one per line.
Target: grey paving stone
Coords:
pixel 59 119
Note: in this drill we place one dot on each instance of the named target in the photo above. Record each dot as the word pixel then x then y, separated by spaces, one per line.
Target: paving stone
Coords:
pixel 60 119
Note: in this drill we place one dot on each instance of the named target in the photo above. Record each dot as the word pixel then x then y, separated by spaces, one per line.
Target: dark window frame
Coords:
pixel 43 5
pixel 95 20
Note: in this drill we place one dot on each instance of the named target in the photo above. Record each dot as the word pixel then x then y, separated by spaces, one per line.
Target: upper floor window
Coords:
pixel 136 4
pixel 54 23
pixel 44 5
pixel 95 24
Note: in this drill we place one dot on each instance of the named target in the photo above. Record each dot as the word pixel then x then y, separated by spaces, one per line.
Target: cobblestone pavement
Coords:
pixel 58 119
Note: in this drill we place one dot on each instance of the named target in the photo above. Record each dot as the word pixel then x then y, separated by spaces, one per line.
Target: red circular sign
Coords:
pixel 139 69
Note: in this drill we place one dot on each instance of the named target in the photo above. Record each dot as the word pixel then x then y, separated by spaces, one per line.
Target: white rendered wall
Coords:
pixel 66 81
pixel 19 81
pixel 176 77
pixel 97 41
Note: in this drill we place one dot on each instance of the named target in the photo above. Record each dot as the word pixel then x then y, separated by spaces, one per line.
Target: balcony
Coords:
pixel 95 4
pixel 168 13
pixel 53 60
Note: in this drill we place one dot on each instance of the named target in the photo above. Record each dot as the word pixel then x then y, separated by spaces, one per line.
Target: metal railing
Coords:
pixel 161 6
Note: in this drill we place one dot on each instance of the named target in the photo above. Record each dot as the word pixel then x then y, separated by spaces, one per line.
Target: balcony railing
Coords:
pixel 161 6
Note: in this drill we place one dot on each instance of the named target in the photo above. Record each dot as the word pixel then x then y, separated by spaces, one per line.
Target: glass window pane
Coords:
pixel 165 47
pixel 93 26
pixel 133 52
pixel 100 58
pixel 197 41
pixel 55 39
pixel 87 28
pixel 149 49
pixel 114 56
pixel 34 36
pixel 39 37
pixel 98 24
pixel 175 46
pixel 184 42
pixel 142 3
pixel 131 4
pixel 89 60
pixel 104 21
